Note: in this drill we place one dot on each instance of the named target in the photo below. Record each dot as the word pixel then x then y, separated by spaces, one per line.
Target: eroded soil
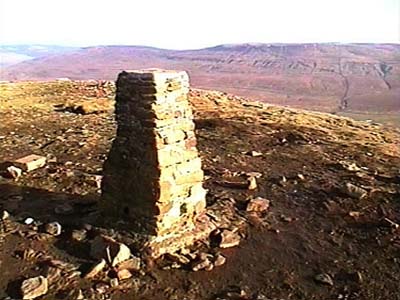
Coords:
pixel 313 225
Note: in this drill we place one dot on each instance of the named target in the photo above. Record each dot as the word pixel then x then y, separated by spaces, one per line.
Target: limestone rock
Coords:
pixel 219 260
pixel 78 235
pixel 34 287
pixel 124 274
pixel 202 264
pixel 14 172
pixel 355 191
pixel 257 205
pixel 109 249
pixel 30 162
pixel 96 268
pixel 324 278
pixel 4 215
pixel 132 264
pixel 114 282
pixel 252 183
pixel 229 239
pixel 53 228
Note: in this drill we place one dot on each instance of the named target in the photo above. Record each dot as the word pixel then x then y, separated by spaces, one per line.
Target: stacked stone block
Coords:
pixel 153 174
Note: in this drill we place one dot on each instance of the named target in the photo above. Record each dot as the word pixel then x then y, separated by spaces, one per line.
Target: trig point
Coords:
pixel 153 174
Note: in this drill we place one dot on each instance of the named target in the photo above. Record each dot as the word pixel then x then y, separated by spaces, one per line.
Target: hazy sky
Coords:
pixel 182 24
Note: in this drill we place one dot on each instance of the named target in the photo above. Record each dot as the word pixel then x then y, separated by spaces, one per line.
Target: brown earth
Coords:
pixel 363 79
pixel 313 225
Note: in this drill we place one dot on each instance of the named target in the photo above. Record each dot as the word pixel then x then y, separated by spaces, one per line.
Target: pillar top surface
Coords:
pixel 155 74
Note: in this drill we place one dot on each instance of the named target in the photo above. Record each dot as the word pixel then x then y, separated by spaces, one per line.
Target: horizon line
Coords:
pixel 199 48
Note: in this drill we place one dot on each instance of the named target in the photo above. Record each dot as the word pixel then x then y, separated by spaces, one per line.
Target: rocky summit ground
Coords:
pixel 331 230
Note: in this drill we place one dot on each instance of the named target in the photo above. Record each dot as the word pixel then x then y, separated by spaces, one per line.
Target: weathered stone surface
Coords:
pixel 153 174
pixel 34 287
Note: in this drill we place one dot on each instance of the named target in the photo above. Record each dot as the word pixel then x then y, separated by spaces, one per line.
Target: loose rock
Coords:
pixel 114 282
pixel 219 260
pixel 229 239
pixel 324 278
pixel 355 191
pixel 53 228
pixel 30 162
pixel 4 215
pixel 111 250
pixel 79 235
pixel 204 263
pixel 255 153
pixel 14 172
pixel 34 287
pixel 252 183
pixel 257 205
pixel 96 269
pixel 29 221
pixel 132 264
pixel 124 274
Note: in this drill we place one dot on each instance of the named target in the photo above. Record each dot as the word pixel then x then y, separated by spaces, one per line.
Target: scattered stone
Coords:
pixel 301 177
pixel 95 180
pixel 219 260
pixel 62 265
pixel 30 162
pixel 101 287
pixel 79 235
pixel 182 259
pixel 355 191
pixel 53 274
pixel 14 172
pixel 124 274
pixel 203 263
pixel 354 214
pixel 53 228
pixel 106 247
pixel 29 221
pixel 356 276
pixel 4 215
pixel 132 264
pixel 28 254
pixel 257 205
pixel 255 153
pixel 34 287
pixel 254 174
pixel 324 278
pixel 229 239
pixel 252 183
pixel 96 269
pixel 114 282
pixel 75 294
pixel 394 225
pixel 287 218
pixel 234 184
pixel 64 209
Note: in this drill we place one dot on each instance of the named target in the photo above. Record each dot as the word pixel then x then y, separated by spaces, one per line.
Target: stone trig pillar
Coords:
pixel 153 174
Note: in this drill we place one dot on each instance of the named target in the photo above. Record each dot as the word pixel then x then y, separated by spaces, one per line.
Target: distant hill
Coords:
pixel 361 79
pixel 13 54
